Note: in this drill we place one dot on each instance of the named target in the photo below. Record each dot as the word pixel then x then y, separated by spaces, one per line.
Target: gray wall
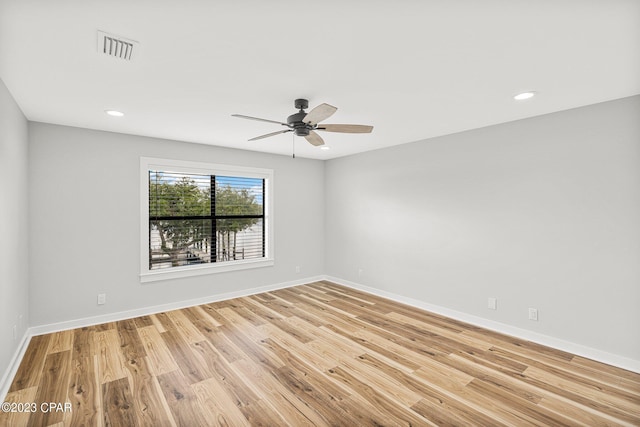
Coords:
pixel 14 254
pixel 543 213
pixel 85 215
pixel 538 213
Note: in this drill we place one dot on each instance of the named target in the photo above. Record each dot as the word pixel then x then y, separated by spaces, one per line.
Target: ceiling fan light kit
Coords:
pixel 306 124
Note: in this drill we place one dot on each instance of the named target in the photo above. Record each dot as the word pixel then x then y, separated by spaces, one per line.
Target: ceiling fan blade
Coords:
pixel 320 113
pixel 258 119
pixel 271 134
pixel 314 139
pixel 345 128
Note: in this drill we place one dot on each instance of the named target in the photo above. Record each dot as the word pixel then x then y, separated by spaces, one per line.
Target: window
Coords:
pixel 202 218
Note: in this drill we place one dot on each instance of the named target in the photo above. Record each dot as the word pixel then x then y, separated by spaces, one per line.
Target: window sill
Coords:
pixel 223 267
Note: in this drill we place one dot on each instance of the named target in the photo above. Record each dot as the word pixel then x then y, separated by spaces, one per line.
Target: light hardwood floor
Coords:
pixel 319 354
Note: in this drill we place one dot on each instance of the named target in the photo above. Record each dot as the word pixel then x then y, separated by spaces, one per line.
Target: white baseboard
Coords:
pixel 14 364
pixel 122 315
pixel 549 341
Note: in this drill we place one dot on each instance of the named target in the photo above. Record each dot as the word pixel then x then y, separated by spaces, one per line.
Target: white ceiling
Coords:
pixel 414 69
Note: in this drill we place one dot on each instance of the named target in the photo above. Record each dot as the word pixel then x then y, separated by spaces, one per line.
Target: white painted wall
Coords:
pixel 84 190
pixel 14 253
pixel 542 212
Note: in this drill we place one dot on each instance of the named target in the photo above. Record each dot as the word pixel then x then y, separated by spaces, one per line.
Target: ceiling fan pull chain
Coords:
pixel 293 144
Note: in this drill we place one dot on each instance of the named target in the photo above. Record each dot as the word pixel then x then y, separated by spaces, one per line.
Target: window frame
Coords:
pixel 148 164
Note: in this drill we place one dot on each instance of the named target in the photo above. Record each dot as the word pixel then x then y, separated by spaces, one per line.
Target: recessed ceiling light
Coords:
pixel 524 95
pixel 114 113
pixel 324 147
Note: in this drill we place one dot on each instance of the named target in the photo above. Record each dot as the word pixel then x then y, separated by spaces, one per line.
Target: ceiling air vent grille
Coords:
pixel 115 46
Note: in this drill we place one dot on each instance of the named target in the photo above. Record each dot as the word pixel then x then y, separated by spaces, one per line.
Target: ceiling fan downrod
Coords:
pixel 295 121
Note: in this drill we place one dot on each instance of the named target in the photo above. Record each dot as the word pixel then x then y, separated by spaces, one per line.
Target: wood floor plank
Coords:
pixel 131 346
pixel 444 412
pixel 294 327
pixel 399 414
pixel 52 388
pixel 459 337
pixel 164 320
pixel 629 376
pixel 581 415
pixel 529 410
pixel 238 323
pixel 192 366
pixel 197 314
pixel 150 407
pixel 181 399
pixel 256 307
pixel 118 403
pixel 605 402
pixel 305 315
pixel 564 372
pixel 318 354
pixel 326 316
pixel 104 326
pixel 60 341
pixel 603 376
pixel 143 321
pixel 249 315
pixel 189 332
pixel 331 407
pixel 157 323
pixel 333 346
pixel 107 343
pixel 30 369
pixel 218 339
pixel 22 396
pixel 242 394
pixel 282 401
pixel 83 393
pixel 83 343
pixel 382 349
pixel 392 387
pixel 219 409
pixel 213 313
pixel 433 399
pixel 469 397
pixel 321 362
pixel 159 356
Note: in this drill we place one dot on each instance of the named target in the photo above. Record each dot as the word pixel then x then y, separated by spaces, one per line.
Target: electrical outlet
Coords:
pixel 492 304
pixel 360 271
pixel 533 314
pixel 102 299
pixel 297 269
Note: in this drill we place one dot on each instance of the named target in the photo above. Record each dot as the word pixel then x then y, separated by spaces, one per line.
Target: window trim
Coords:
pixel 152 163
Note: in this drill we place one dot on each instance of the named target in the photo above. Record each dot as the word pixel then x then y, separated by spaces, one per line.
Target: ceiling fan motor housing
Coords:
pixel 295 121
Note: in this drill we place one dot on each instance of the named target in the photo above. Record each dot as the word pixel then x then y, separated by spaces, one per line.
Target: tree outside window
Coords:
pixel 196 219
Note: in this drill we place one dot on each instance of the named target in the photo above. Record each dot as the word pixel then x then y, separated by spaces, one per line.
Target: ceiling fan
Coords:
pixel 305 124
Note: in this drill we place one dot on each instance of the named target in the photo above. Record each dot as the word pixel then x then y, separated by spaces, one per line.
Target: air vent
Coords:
pixel 115 46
